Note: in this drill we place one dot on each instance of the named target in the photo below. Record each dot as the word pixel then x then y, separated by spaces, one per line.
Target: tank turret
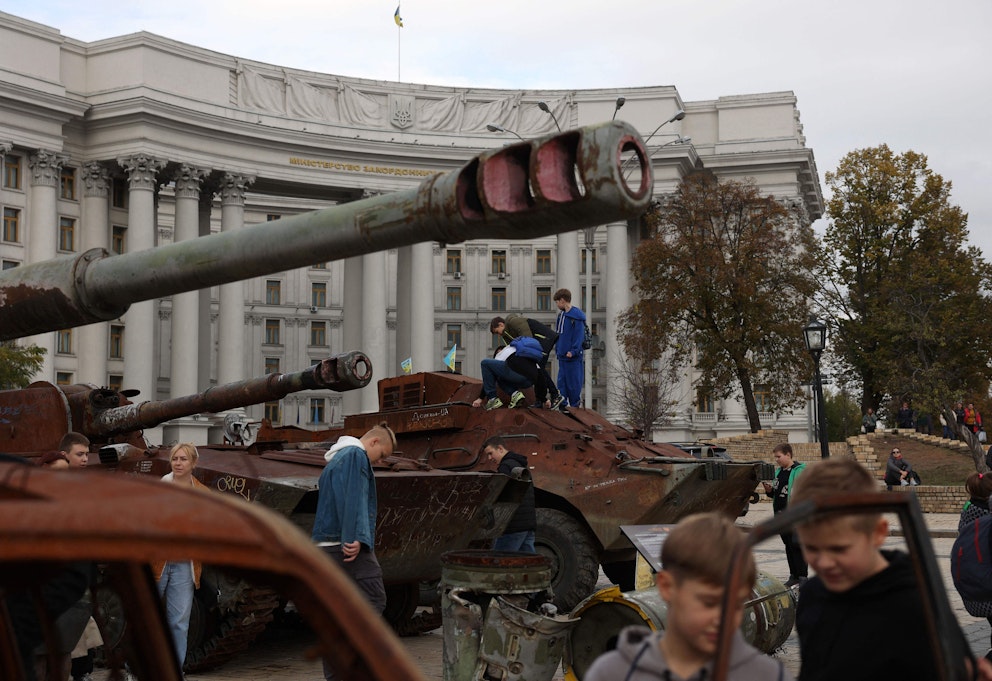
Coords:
pixel 534 188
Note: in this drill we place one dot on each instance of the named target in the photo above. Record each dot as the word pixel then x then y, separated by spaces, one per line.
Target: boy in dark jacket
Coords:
pixel 861 617
pixel 520 531
pixel 695 559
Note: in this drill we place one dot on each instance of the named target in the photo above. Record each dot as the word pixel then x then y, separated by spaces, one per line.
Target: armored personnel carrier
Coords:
pixel 554 184
pixel 590 475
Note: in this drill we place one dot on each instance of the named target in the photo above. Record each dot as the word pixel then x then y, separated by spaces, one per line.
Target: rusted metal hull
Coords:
pixel 422 513
pixel 48 519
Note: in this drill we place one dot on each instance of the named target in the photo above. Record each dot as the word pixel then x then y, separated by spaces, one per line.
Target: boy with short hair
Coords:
pixel 76 448
pixel 695 558
pixel 861 616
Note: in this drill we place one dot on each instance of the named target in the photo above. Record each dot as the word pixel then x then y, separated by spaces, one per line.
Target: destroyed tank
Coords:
pixel 554 184
pixel 591 476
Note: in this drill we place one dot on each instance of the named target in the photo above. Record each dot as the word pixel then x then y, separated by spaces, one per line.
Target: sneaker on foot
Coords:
pixel 494 403
pixel 516 398
pixel 558 401
pixel 792 581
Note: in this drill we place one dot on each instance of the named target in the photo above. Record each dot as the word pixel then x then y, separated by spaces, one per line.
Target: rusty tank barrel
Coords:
pixel 347 371
pixel 534 188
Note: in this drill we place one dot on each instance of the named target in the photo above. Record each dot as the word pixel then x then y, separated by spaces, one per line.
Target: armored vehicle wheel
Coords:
pixel 574 558
pixel 216 635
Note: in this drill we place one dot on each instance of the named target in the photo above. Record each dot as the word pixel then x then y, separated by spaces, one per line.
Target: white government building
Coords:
pixel 137 141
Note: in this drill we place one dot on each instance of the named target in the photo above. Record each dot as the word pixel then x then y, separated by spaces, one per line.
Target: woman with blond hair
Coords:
pixel 177 580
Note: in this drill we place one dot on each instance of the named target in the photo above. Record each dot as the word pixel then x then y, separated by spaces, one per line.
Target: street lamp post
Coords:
pixel 492 127
pixel 815 334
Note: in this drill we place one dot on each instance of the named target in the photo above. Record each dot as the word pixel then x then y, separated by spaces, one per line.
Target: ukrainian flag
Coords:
pixel 449 359
pixel 407 365
pixel 397 18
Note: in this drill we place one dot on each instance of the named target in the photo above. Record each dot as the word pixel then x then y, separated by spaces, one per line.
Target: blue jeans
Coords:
pixel 495 374
pixel 516 541
pixel 176 587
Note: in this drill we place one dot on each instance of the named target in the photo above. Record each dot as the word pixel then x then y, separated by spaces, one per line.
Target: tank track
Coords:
pixel 234 630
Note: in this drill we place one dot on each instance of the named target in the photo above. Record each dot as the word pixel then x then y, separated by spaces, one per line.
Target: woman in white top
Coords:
pixel 177 580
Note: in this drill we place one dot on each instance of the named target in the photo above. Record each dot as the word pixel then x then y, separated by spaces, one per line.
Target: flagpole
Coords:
pixel 399 34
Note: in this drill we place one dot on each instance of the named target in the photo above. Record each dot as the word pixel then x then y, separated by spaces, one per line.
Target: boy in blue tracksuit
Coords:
pixel 571 328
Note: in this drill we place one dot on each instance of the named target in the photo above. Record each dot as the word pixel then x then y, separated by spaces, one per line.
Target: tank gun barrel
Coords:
pixel 347 371
pixel 534 188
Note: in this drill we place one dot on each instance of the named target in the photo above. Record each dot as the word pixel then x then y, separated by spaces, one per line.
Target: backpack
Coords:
pixel 971 560
pixel 587 339
pixel 545 335
pixel 528 348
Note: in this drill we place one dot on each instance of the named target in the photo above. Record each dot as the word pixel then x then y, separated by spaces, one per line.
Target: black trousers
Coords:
pixel 794 555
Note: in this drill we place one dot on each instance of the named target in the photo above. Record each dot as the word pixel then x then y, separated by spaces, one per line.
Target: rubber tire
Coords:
pixel 571 548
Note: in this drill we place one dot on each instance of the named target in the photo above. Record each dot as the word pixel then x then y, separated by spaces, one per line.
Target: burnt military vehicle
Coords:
pixel 553 184
pixel 591 476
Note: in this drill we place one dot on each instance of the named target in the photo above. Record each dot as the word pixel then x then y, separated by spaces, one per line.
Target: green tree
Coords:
pixel 843 416
pixel 18 364
pixel 911 297
pixel 724 283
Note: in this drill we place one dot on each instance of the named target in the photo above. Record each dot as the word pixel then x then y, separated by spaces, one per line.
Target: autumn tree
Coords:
pixel 18 364
pixel 911 298
pixel 724 282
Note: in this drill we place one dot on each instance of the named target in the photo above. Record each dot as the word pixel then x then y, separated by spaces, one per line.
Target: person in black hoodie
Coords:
pixel 520 531
pixel 861 617
pixel 979 486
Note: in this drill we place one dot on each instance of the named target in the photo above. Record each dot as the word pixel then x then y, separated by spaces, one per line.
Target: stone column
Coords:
pixel 205 316
pixel 568 267
pixel 140 320
pixel 231 333
pixel 94 233
pixel 352 330
pixel 41 236
pixel 186 313
pixel 404 307
pixel 374 332
pixel 185 306
pixel 421 287
pixel 617 300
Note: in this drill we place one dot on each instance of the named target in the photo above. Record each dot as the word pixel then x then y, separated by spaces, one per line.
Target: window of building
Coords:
pixel 318 294
pixel 116 341
pixel 118 239
pixel 115 382
pixel 67 184
pixel 63 378
pixel 593 302
pixel 318 333
pixel 118 192
pixel 272 412
pixel 272 216
pixel 63 342
pixel 67 234
pixel 594 372
pixel 499 262
pixel 273 292
pixel 454 298
pixel 763 396
pixel 499 299
pixel 11 225
pixel 595 404
pixel 453 262
pixel 272 365
pixel 594 329
pixel 704 401
pixel 12 171
pixel 458 366
pixel 543 262
pixel 319 266
pixel 544 298
pixel 454 335
pixel 272 331
pixel 588 254
pixel 317 410
pixel 10 264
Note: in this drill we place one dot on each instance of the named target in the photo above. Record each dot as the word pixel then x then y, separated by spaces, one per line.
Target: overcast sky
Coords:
pixel 911 74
